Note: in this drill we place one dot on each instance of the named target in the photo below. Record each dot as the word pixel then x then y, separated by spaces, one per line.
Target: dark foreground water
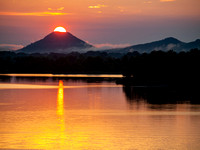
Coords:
pixel 86 114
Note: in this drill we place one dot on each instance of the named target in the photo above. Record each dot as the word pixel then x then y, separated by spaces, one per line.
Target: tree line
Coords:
pixel 157 66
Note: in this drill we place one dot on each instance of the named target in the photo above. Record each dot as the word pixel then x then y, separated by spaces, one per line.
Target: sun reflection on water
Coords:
pixel 91 116
pixel 60 114
pixel 60 101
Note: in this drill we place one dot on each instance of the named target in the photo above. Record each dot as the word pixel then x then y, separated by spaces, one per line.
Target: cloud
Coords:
pixel 98 6
pixel 167 0
pixel 110 46
pixel 61 8
pixel 166 48
pixel 121 9
pixel 148 2
pixel 10 47
pixel 33 14
pixel 171 46
pixel 57 9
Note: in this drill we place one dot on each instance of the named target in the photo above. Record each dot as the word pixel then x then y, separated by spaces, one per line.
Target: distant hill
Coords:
pixel 57 42
pixel 163 45
pixel 65 42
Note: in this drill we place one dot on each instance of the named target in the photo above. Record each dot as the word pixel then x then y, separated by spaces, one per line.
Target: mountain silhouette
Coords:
pixel 65 42
pixel 190 45
pixel 57 42
pixel 166 44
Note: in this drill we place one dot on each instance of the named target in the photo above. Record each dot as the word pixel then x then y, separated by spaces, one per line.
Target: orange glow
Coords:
pixel 60 114
pixel 60 83
pixel 33 14
pixel 60 29
pixel 67 75
pixel 93 118
pixel 60 109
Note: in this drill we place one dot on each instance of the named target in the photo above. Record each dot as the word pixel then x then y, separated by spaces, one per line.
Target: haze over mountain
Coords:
pixel 163 45
pixel 57 42
pixel 65 42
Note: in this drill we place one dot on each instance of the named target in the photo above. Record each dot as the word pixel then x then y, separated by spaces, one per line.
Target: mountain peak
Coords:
pixel 171 40
pixel 65 40
pixel 59 35
pixel 166 44
pixel 56 42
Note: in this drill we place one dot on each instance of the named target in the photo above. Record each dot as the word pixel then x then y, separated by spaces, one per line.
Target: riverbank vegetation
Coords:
pixel 156 67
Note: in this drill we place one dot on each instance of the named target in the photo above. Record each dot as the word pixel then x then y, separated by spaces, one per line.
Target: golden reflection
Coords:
pixel 60 101
pixel 60 113
pixel 65 75
pixel 96 118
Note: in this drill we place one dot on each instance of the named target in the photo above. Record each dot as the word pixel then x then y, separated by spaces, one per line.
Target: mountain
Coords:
pixel 57 42
pixel 163 45
pixel 65 42
pixel 191 45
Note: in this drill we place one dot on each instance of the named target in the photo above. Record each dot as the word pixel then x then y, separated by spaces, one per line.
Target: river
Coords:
pixel 55 113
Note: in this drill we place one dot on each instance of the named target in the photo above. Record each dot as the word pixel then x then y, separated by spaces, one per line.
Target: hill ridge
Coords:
pixel 56 42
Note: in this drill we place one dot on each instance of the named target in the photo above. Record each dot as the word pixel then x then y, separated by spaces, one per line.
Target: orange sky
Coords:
pixel 110 8
pixel 100 21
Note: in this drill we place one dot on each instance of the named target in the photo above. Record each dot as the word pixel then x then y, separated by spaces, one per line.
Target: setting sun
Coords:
pixel 60 29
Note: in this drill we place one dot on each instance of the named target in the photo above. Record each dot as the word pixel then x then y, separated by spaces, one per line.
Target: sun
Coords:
pixel 60 29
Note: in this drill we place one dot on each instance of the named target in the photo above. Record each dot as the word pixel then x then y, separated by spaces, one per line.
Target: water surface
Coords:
pixel 61 113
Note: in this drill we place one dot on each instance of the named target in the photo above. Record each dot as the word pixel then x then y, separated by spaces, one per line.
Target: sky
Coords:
pixel 114 23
